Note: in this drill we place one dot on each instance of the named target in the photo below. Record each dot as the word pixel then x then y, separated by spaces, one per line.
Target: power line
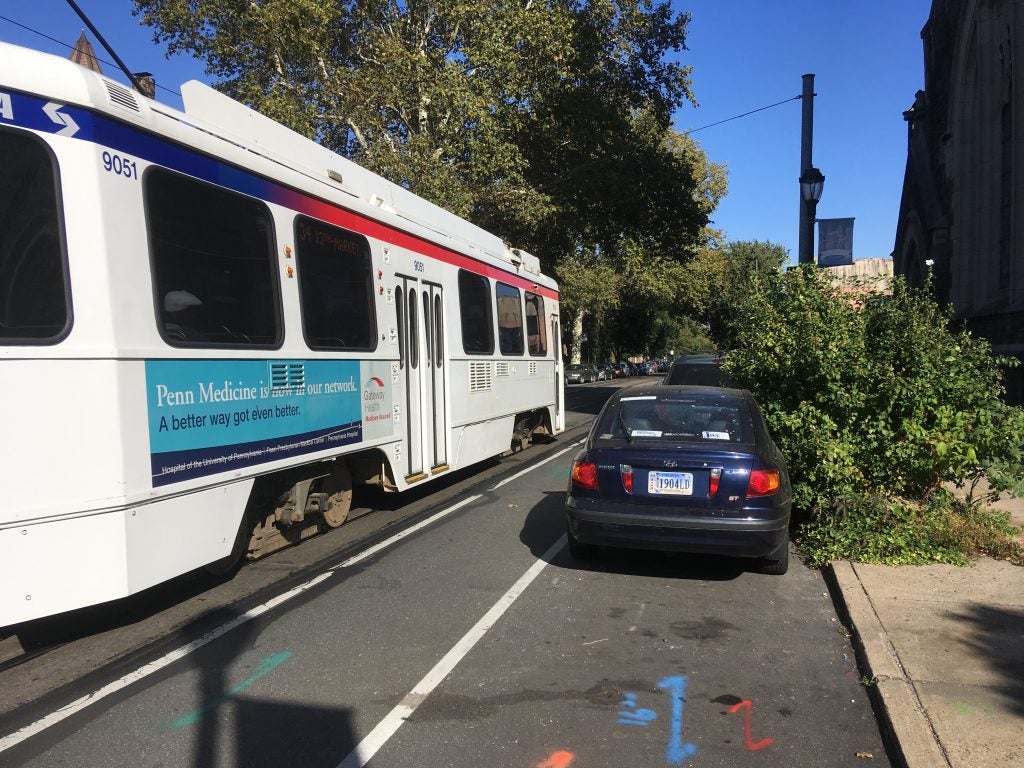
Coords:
pixel 737 117
pixel 71 48
pixel 176 93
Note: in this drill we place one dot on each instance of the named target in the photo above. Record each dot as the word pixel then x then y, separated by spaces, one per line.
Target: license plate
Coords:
pixel 670 483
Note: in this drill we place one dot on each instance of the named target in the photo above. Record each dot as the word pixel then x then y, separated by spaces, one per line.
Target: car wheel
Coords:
pixel 778 563
pixel 578 549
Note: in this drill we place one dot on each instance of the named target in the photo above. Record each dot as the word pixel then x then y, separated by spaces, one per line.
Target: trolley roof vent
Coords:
pixel 121 96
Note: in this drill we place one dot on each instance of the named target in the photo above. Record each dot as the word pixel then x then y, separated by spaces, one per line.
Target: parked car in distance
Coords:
pixel 701 370
pixel 681 468
pixel 580 374
pixel 604 372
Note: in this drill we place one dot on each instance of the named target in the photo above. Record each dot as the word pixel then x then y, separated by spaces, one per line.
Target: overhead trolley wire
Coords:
pixel 745 114
pixel 71 48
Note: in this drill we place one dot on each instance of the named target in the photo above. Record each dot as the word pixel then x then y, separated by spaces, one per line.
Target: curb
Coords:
pixel 899 706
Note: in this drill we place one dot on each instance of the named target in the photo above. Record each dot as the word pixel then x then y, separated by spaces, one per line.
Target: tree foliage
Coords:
pixel 545 122
pixel 724 274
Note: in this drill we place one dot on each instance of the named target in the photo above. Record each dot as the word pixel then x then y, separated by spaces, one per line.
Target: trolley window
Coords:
pixel 400 311
pixel 438 333
pixel 214 272
pixel 414 332
pixel 536 330
pixel 335 286
pixel 428 329
pixel 475 310
pixel 510 319
pixel 35 306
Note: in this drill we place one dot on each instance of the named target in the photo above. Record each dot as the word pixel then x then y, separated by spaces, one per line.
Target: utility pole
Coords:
pixel 811 179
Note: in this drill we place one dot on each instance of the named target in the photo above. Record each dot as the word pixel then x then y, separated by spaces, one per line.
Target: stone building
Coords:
pixel 84 55
pixel 961 219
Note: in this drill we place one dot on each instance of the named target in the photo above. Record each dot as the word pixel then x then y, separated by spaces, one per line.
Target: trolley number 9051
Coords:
pixel 122 166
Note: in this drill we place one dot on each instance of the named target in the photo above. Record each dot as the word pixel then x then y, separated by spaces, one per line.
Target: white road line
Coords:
pixel 402 534
pixel 78 705
pixel 387 727
pixel 154 666
pixel 532 467
pixel 447 511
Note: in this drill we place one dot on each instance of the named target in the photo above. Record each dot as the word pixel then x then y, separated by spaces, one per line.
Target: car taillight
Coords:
pixel 584 474
pixel 716 478
pixel 763 482
pixel 627 477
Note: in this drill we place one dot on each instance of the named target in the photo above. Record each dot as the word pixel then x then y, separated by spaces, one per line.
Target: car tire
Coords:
pixel 778 563
pixel 578 549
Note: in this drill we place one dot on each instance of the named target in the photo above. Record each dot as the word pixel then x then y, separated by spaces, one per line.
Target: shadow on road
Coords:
pixel 236 722
pixel 546 521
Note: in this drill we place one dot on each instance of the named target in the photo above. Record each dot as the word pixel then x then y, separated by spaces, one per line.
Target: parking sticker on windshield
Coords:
pixel 713 435
pixel 645 433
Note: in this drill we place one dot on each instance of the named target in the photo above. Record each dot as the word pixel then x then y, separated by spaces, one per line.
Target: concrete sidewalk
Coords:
pixel 946 646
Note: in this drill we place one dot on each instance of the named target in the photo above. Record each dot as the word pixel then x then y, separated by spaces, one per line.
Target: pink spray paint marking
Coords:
pixel 752 745
pixel 558 760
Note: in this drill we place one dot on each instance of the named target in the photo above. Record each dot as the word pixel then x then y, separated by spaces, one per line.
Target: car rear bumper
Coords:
pixel 736 537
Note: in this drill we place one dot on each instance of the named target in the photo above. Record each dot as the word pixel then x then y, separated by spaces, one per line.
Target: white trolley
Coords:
pixel 211 327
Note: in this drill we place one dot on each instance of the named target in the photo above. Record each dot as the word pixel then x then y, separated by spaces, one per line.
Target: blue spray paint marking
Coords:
pixel 266 666
pixel 630 715
pixel 677 751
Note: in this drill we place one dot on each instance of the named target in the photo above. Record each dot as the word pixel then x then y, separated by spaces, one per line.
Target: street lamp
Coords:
pixel 812 182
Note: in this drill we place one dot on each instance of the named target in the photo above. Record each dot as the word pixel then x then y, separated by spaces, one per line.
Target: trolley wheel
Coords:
pixel 338 487
pixel 227 564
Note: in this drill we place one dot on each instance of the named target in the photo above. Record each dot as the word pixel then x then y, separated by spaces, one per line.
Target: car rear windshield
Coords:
pixel 692 419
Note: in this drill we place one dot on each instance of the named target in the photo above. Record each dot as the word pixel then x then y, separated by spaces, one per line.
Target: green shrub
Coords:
pixel 875 398
pixel 876 529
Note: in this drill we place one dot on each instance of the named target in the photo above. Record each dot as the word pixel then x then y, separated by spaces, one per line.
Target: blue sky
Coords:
pixel 867 60
pixel 746 54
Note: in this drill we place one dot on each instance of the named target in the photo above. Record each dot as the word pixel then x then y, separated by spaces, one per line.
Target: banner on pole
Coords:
pixel 835 242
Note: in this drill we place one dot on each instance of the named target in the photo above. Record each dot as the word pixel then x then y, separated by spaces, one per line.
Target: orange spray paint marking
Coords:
pixel 558 760
pixel 752 745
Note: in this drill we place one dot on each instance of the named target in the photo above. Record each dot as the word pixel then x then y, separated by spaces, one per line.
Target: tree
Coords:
pixel 731 273
pixel 538 121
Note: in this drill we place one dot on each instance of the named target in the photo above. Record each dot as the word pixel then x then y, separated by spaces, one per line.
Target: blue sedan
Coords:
pixel 681 468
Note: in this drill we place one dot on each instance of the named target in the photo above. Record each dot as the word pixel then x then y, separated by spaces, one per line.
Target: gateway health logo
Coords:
pixel 376 407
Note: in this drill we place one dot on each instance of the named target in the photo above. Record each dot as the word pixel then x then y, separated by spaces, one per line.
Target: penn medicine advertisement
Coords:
pixel 211 416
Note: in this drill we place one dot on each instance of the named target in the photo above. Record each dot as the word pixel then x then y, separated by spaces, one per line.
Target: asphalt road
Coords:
pixel 473 640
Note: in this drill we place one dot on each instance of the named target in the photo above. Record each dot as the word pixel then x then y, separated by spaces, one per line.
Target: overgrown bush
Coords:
pixel 874 397
pixel 941 529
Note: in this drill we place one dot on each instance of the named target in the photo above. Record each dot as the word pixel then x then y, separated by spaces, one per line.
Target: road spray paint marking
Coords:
pixel 78 705
pixel 387 727
pixel 630 714
pixel 748 706
pixel 266 666
pixel 677 751
pixel 561 759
